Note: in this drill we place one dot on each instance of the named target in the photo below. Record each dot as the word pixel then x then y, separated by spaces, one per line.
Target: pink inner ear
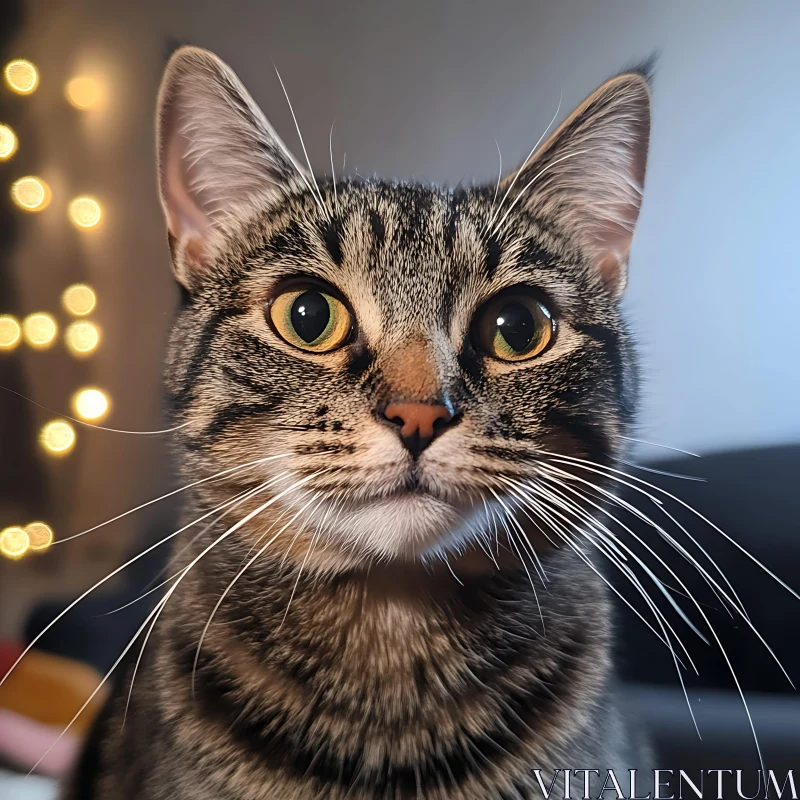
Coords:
pixel 612 235
pixel 611 268
pixel 186 220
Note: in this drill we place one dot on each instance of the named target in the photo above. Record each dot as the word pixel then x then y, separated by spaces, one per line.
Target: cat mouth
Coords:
pixel 413 484
pixel 409 486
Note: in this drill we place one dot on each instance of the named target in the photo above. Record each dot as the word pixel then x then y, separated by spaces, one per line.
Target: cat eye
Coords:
pixel 311 319
pixel 515 326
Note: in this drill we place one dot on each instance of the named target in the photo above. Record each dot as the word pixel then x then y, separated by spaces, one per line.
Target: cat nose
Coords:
pixel 419 423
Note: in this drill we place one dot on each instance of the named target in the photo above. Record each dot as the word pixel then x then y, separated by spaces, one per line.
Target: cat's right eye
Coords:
pixel 515 326
pixel 311 319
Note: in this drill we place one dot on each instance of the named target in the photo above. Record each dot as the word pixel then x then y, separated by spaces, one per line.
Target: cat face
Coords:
pixel 407 354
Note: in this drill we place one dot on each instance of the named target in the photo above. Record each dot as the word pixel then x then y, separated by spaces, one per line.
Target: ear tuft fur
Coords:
pixel 588 177
pixel 218 157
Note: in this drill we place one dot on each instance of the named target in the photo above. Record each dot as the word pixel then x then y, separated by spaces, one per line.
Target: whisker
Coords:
pixel 718 590
pixel 524 164
pixel 317 194
pixel 91 424
pixel 217 476
pixel 581 513
pixel 317 498
pixel 512 540
pixel 333 171
pixel 249 563
pixel 664 472
pixel 664 446
pixel 232 529
pixel 658 615
pixel 713 632
pixel 497 228
pixel 499 172
pixel 99 583
pixel 450 567
pixel 302 565
pixel 561 531
pixel 239 499
pixel 99 687
pixel 596 468
pixel 513 520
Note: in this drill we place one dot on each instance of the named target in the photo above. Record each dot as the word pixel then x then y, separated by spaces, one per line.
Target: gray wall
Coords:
pixel 422 89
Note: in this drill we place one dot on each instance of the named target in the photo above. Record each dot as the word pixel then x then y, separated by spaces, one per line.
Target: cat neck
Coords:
pixel 307 668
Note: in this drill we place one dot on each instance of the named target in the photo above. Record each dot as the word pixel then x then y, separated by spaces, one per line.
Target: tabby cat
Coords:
pixel 381 391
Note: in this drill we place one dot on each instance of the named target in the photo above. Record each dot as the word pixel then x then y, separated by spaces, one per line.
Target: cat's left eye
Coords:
pixel 311 319
pixel 515 326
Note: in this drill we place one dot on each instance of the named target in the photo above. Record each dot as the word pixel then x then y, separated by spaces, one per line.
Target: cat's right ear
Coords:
pixel 218 158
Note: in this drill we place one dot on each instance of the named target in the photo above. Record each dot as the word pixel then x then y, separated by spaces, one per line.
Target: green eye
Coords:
pixel 515 327
pixel 311 319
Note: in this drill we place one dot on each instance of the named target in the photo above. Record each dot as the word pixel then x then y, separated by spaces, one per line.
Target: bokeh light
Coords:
pixel 85 212
pixel 84 92
pixel 8 143
pixel 31 193
pixel 40 536
pixel 21 76
pixel 82 337
pixel 79 299
pixel 14 542
pixel 39 330
pixel 57 437
pixel 90 404
pixel 10 332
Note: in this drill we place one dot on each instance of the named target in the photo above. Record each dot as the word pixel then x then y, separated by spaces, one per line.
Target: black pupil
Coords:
pixel 517 325
pixel 310 316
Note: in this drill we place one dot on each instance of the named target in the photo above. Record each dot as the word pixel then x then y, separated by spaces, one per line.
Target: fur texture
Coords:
pixel 392 637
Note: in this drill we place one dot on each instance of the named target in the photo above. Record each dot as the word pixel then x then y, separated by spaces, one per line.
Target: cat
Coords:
pixel 382 390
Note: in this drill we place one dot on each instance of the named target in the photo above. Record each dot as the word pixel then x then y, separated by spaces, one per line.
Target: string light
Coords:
pixel 40 536
pixel 39 330
pixel 82 337
pixel 79 299
pixel 90 404
pixel 85 212
pixel 21 76
pixel 84 92
pixel 31 193
pixel 57 437
pixel 14 542
pixel 8 143
pixel 10 332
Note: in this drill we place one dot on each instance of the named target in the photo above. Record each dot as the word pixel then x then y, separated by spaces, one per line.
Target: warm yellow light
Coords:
pixel 57 437
pixel 21 76
pixel 79 299
pixel 31 193
pixel 10 332
pixel 84 92
pixel 8 143
pixel 39 330
pixel 90 404
pixel 40 535
pixel 82 337
pixel 85 212
pixel 14 542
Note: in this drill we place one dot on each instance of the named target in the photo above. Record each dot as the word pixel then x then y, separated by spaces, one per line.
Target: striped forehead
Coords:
pixel 417 251
pixel 408 258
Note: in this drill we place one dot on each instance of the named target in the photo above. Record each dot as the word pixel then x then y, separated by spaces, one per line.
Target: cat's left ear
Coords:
pixel 588 177
pixel 218 158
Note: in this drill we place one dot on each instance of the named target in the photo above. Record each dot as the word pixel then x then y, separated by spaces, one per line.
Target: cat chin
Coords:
pixel 400 527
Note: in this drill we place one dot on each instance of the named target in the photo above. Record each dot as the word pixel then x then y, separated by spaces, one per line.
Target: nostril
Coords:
pixel 419 423
pixel 441 424
pixel 395 419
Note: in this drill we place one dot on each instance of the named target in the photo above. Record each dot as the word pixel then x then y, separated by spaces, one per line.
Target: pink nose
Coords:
pixel 418 423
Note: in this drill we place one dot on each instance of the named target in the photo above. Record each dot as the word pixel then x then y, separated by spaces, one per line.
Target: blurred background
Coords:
pixel 424 90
